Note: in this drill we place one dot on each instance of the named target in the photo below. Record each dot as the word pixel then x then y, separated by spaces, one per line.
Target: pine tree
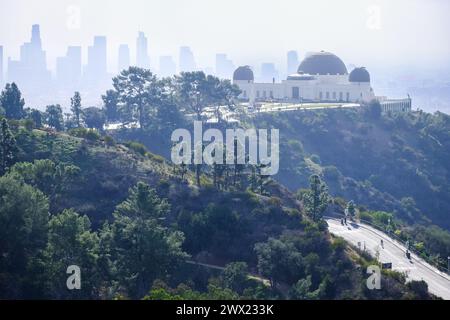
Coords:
pixel 75 107
pixel 315 200
pixel 8 148
pixel 11 100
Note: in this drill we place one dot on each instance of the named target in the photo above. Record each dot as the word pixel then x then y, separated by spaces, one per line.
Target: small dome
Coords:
pixel 359 75
pixel 243 73
pixel 323 63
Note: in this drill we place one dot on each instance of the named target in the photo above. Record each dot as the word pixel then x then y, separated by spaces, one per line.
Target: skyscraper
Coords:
pixel 142 57
pixel 124 57
pixel 95 70
pixel 68 68
pixel 167 66
pixel 292 62
pixel 224 66
pixel 268 72
pixel 31 70
pixel 187 61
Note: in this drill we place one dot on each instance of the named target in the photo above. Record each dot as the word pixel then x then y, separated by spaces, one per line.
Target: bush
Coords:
pixel 137 147
pixel 109 141
pixel 316 159
pixel 155 157
pixel 28 124
pixel 92 135
pixel 78 132
pixel 88 134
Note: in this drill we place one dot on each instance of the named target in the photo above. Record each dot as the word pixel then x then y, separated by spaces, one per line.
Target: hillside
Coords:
pixel 239 229
pixel 397 163
pixel 393 163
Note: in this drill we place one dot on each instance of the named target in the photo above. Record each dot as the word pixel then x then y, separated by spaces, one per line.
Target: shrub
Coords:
pixel 28 124
pixel 92 135
pixel 155 157
pixel 137 147
pixel 109 141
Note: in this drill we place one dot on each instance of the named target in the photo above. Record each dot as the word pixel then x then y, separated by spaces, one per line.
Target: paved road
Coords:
pixel 393 252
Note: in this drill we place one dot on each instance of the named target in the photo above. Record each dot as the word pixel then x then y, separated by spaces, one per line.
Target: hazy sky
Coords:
pixel 377 33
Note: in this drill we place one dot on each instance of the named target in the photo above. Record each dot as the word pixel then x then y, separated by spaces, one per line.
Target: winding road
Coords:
pixel 392 251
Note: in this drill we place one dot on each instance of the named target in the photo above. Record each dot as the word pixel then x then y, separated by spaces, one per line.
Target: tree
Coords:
pixel 301 290
pixel 235 276
pixel 196 91
pixel 419 288
pixel 8 147
pixel 23 233
pixel 374 109
pixel 110 105
pixel 71 242
pixel 138 92
pixel 54 117
pixel 75 107
pixel 50 178
pixel 279 261
pixel 351 210
pixel 315 200
pixel 222 93
pixel 141 248
pixel 193 91
pixel 11 100
pixel 36 116
pixel 94 118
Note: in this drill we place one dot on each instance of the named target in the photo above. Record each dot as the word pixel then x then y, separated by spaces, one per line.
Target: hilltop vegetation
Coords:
pixel 137 225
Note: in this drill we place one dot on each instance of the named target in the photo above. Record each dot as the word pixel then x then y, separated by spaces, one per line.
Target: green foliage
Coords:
pixel 279 261
pixel 138 92
pixel 137 147
pixel 54 117
pixel 316 199
pixel 419 289
pixel 88 134
pixel 235 276
pixel 8 147
pixel 197 91
pixel 75 107
pixel 141 248
pixel 23 232
pixel 12 102
pixel 52 179
pixel 37 118
pixel 109 141
pixel 71 242
pixel 110 106
pixel 351 209
pixel 94 118
pixel 374 109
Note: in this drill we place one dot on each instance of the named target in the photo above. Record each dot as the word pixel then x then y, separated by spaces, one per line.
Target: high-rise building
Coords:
pixel 31 70
pixel 268 72
pixel 167 66
pixel 187 61
pixel 96 70
pixel 224 66
pixel 1 65
pixel 124 57
pixel 142 57
pixel 68 68
pixel 292 62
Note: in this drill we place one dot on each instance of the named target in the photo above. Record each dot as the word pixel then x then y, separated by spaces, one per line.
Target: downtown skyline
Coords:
pixel 387 37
